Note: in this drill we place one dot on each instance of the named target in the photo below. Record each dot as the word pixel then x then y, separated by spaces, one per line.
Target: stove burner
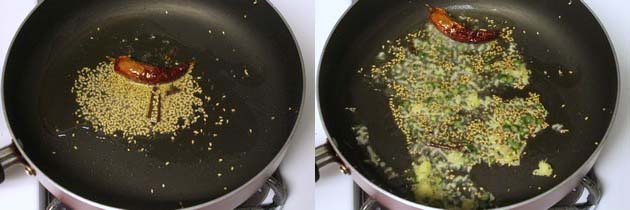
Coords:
pixel 569 202
pixel 274 184
pixel 573 196
pixel 255 202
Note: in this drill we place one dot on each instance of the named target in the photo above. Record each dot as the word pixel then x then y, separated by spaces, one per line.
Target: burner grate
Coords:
pixel 569 202
pixel 273 185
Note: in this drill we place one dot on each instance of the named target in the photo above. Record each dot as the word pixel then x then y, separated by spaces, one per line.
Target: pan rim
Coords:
pixel 261 175
pixel 578 173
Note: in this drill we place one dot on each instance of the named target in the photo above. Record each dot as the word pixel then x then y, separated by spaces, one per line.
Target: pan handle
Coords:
pixel 324 155
pixel 8 157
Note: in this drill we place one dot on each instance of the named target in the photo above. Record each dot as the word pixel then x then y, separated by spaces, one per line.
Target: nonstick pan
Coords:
pixel 569 36
pixel 93 170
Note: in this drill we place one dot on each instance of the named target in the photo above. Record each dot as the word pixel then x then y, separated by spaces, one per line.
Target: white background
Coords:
pixel 334 191
pixel 22 192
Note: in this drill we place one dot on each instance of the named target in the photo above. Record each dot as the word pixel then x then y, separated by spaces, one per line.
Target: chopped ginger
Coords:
pixel 544 169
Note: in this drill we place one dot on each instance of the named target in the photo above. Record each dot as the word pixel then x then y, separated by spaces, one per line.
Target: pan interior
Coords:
pixel 568 37
pixel 223 37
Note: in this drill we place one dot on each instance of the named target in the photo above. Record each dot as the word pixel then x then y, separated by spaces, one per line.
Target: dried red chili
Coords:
pixel 146 73
pixel 456 31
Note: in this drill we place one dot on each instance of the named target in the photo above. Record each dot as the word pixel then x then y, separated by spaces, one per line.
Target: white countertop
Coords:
pixel 334 191
pixel 22 192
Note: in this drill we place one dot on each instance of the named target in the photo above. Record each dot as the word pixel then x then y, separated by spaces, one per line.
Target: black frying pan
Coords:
pixel 61 37
pixel 570 37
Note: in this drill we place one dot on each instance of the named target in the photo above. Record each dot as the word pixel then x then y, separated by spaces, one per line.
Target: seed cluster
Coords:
pixel 442 96
pixel 115 105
